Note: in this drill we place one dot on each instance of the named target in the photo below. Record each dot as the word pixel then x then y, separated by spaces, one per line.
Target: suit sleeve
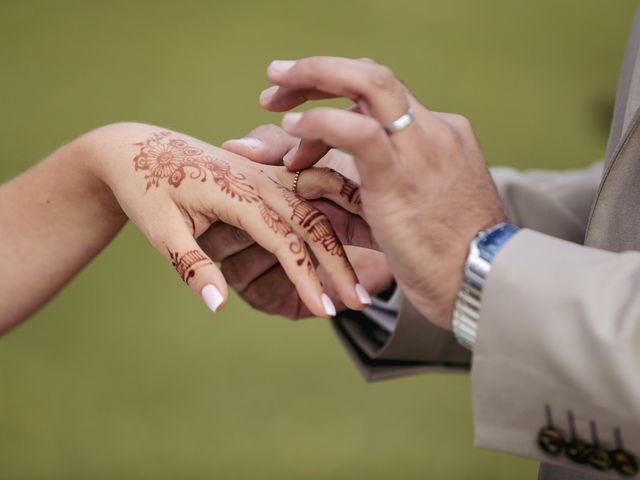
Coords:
pixel 393 339
pixel 558 343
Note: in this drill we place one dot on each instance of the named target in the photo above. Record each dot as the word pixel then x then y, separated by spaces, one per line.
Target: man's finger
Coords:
pixel 373 87
pixel 245 266
pixel 266 144
pixel 351 229
pixel 281 99
pixel 359 134
pixel 222 240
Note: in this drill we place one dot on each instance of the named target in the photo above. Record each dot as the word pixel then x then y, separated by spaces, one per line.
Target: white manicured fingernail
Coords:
pixel 290 120
pixel 212 297
pixel 329 307
pixel 363 295
pixel 280 66
pixel 267 94
pixel 252 143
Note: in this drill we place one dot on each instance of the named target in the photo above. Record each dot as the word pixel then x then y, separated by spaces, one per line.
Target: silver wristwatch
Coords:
pixel 482 251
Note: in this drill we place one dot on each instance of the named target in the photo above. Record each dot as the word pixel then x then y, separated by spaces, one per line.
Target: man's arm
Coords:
pixel 555 203
pixel 557 347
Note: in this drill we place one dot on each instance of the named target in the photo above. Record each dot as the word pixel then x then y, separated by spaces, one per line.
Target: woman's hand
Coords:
pixel 426 190
pixel 175 187
pixel 255 273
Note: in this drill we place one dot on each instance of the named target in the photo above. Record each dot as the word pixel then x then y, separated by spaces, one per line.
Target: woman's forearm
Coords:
pixel 57 216
pixel 54 219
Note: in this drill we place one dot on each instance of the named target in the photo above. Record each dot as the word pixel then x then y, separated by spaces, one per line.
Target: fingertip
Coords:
pixel 212 297
pixel 278 67
pixel 291 120
pixel 290 156
pixel 267 95
pixel 327 305
pixel 248 147
pixel 363 295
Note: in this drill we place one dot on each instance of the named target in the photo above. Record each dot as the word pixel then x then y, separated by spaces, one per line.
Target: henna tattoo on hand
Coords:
pixel 274 220
pixel 314 222
pixel 188 263
pixel 296 246
pixel 172 159
pixel 351 192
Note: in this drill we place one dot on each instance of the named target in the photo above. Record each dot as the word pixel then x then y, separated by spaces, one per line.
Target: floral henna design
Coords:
pixel 188 263
pixel 274 221
pixel 173 159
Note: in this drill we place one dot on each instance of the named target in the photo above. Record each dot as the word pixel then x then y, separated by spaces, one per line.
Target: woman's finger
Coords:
pixel 350 228
pixel 277 236
pixel 314 227
pixel 318 182
pixel 174 240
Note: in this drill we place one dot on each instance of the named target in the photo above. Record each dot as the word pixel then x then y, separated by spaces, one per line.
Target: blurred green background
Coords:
pixel 125 374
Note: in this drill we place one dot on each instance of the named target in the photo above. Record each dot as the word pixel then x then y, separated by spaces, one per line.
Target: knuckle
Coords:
pixel 382 78
pixel 260 296
pixel 238 236
pixel 267 130
pixel 231 273
pixel 367 60
pixel 461 123
pixel 315 116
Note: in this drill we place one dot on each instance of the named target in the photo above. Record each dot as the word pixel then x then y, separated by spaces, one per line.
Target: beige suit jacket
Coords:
pixel 559 332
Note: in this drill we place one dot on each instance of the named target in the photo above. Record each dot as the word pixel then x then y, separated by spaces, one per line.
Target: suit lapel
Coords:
pixel 629 71
pixel 615 218
pixel 611 224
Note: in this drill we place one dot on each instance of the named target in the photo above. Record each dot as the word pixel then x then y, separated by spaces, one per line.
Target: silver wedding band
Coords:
pixel 400 123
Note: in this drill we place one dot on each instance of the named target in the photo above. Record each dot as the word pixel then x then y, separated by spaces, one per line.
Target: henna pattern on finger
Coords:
pixel 173 159
pixel 351 192
pixel 314 222
pixel 349 189
pixel 188 263
pixel 296 246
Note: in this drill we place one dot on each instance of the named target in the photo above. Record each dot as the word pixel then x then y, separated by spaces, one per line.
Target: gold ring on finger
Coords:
pixel 294 186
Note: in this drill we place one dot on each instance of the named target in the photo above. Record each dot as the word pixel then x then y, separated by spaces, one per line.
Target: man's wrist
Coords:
pixel 482 250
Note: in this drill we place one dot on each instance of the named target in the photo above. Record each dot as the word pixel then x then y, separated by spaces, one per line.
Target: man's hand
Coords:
pixel 426 190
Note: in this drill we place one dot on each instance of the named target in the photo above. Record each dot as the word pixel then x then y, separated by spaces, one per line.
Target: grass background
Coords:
pixel 125 375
